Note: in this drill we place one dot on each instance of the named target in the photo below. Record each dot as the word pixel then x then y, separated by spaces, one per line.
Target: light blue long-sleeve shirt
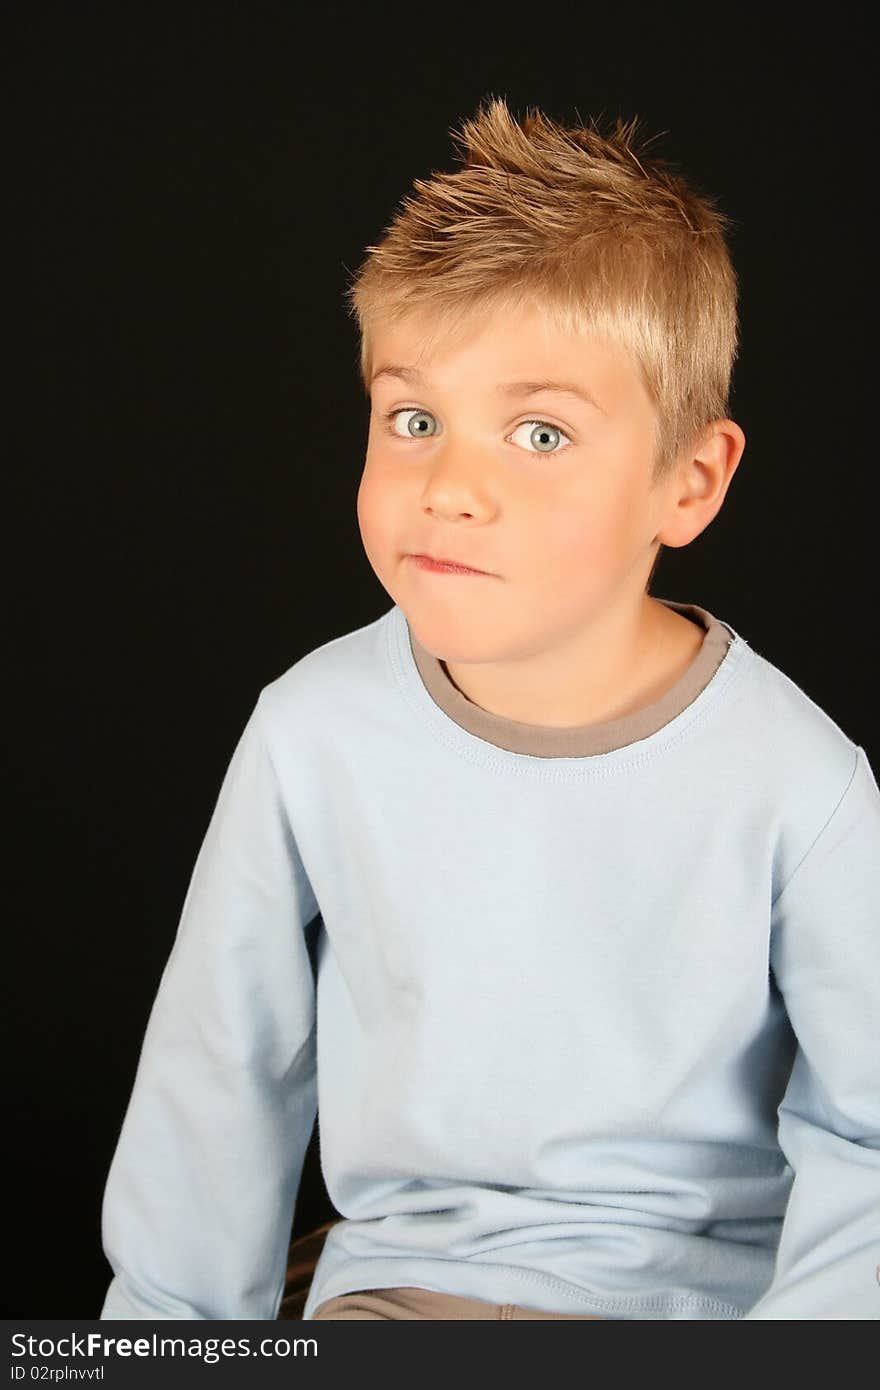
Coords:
pixel 590 1032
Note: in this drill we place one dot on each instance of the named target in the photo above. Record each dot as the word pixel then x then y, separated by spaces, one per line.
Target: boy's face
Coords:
pixel 458 466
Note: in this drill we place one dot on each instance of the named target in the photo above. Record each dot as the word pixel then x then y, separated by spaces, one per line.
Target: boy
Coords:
pixel 592 1028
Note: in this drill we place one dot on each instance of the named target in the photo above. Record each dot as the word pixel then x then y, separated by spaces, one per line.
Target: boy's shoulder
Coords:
pixel 795 742
pixel 329 679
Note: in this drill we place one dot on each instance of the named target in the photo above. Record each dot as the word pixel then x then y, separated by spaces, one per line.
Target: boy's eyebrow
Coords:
pixel 559 388
pixel 510 388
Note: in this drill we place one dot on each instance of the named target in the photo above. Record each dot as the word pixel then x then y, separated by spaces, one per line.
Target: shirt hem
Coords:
pixel 482 1282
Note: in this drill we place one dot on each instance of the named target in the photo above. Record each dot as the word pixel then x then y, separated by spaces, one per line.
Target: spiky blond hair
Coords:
pixel 581 222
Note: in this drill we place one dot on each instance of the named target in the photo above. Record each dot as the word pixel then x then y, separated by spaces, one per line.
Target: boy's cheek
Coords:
pixel 386 502
pixel 382 528
pixel 369 504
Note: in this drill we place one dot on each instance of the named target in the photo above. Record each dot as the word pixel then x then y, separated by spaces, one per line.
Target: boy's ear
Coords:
pixel 700 483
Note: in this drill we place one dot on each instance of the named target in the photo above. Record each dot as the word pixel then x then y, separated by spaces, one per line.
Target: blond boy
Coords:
pixel 591 1027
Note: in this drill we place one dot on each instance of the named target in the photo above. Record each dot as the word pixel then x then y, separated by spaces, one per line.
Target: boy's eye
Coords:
pixel 542 437
pixel 421 424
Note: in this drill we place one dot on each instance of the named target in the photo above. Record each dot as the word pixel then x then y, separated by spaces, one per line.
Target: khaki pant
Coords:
pixel 424 1303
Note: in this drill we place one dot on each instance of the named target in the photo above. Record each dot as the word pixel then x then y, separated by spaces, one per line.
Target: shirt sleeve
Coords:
pixel 200 1195
pixel 825 954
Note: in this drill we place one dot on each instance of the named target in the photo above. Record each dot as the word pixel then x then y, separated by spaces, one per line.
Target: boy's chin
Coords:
pixel 460 643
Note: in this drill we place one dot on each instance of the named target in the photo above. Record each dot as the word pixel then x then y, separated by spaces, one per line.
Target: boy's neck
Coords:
pixel 627 669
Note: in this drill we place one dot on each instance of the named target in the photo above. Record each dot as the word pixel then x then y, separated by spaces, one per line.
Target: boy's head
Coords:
pixel 555 255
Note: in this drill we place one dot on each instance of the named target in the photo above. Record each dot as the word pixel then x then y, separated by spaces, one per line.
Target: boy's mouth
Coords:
pixel 443 566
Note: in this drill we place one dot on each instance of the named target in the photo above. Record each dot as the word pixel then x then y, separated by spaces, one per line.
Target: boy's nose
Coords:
pixel 458 483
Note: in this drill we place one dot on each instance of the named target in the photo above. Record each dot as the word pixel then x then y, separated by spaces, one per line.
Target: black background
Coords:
pixel 187 188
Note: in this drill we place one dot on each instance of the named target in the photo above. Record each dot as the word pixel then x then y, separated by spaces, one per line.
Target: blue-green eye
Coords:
pixel 543 436
pixel 421 424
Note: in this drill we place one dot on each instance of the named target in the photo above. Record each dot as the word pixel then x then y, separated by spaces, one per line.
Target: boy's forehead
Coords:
pixel 513 347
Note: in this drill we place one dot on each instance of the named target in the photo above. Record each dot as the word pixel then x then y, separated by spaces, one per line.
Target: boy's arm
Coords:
pixel 825 953
pixel 199 1200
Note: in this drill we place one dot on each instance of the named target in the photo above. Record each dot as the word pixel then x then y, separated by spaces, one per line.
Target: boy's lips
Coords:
pixel 444 565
